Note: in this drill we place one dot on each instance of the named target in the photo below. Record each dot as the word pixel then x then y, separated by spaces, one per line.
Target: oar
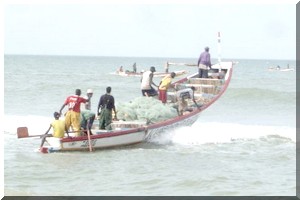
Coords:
pixel 89 135
pixel 22 132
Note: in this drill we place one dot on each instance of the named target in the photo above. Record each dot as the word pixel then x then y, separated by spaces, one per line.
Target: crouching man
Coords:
pixel 182 98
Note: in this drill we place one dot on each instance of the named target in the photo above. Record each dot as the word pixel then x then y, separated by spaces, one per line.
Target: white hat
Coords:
pixel 89 91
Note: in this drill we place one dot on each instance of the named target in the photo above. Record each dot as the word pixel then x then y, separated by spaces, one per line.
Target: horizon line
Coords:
pixel 125 56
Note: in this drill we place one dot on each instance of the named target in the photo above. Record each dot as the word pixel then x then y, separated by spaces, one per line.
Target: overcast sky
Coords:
pixel 251 31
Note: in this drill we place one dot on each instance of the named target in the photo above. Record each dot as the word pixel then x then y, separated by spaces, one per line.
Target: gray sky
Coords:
pixel 248 30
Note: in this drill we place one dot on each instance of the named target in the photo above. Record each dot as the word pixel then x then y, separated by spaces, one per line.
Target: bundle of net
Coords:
pixel 146 109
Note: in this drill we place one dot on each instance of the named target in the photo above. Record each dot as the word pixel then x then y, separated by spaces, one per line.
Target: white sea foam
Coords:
pixel 35 124
pixel 227 132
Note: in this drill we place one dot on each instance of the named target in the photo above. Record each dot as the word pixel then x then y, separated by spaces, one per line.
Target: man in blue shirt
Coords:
pixel 204 63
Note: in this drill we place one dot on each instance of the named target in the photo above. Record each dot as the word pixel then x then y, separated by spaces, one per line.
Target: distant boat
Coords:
pixel 139 74
pixel 279 69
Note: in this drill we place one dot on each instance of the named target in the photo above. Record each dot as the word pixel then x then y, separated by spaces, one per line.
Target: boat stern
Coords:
pixel 54 145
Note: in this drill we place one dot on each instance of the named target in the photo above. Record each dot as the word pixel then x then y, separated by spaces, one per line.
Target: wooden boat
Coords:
pixel 156 74
pixel 206 92
pixel 280 69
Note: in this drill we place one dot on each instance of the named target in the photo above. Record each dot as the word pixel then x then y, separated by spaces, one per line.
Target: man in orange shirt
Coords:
pixel 72 117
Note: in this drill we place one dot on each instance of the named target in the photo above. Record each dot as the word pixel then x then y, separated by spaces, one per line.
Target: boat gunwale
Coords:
pixel 196 111
pixel 105 134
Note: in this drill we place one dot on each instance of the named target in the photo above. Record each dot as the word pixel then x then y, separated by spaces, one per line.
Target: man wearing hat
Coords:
pixel 204 63
pixel 147 82
pixel 87 116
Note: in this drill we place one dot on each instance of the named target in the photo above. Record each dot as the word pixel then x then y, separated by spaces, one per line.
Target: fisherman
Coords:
pixel 59 129
pixel 167 67
pixel 147 82
pixel 164 86
pixel 204 63
pixel 120 69
pixel 278 67
pixel 72 117
pixel 105 107
pixel 134 67
pixel 182 97
pixel 87 116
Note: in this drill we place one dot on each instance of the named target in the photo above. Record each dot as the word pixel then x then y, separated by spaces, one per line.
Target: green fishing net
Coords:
pixel 146 109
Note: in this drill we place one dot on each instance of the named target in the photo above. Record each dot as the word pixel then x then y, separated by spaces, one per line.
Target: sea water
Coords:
pixel 242 145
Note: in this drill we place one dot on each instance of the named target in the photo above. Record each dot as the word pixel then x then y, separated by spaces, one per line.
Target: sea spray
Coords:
pixel 213 132
pixel 36 124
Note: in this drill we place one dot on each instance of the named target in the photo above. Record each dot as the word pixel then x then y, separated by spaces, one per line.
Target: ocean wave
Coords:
pixel 35 124
pixel 261 94
pixel 216 133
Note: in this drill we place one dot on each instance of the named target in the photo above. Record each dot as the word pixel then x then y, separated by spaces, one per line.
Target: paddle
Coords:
pixel 89 135
pixel 22 132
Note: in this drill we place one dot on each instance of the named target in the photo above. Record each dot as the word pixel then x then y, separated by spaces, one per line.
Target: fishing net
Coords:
pixel 145 109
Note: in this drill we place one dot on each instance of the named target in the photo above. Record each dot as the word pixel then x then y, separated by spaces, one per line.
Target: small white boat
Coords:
pixel 156 74
pixel 280 69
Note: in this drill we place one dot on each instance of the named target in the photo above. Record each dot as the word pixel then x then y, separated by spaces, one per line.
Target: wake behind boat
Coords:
pixel 189 96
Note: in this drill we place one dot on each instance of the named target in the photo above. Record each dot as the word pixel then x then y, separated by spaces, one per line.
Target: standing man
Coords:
pixel 134 67
pixel 163 87
pixel 106 105
pixel 73 115
pixel 167 67
pixel 204 63
pixel 147 82
pixel 87 116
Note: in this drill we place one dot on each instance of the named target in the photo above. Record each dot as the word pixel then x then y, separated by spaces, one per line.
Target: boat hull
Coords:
pixel 97 141
pixel 281 70
pixel 114 139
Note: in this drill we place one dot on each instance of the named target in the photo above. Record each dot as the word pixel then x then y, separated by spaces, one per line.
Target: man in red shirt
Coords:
pixel 72 117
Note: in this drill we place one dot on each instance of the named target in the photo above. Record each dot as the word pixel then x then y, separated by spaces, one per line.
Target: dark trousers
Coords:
pixel 105 119
pixel 203 73
pixel 150 93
